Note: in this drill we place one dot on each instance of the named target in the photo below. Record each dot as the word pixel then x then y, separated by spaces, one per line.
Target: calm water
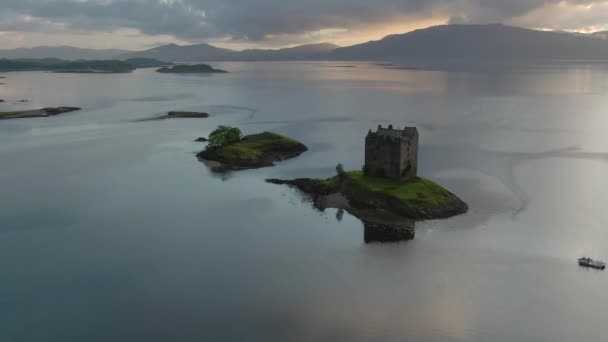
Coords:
pixel 111 230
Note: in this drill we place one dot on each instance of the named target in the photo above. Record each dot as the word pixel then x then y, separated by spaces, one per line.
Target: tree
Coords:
pixel 340 171
pixel 224 135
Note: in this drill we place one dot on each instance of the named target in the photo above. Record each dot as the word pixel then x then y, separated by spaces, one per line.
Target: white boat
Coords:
pixel 588 262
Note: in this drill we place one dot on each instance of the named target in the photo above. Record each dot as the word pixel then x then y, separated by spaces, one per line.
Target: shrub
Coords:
pixel 224 135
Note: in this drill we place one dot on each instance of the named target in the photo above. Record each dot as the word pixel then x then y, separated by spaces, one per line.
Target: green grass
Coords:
pixel 415 192
pixel 332 183
pixel 253 147
pixel 6 113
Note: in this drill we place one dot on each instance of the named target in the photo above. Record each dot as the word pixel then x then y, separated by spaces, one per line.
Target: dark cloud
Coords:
pixel 247 19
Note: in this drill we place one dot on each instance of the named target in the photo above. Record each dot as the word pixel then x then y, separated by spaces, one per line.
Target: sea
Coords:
pixel 112 230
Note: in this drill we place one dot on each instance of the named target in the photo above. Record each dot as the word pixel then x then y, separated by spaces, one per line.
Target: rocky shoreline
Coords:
pixel 369 206
pixel 37 113
pixel 267 158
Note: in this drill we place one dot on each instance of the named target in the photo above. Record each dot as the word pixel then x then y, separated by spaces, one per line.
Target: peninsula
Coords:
pixel 190 69
pixel 36 113
pixel 229 150
pixel 61 66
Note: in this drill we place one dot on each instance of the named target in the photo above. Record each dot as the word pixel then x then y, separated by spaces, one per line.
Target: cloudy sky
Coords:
pixel 138 24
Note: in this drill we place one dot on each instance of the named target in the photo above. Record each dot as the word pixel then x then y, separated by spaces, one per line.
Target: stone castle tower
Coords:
pixel 392 153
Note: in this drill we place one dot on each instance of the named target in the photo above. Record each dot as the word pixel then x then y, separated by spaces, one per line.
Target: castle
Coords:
pixel 392 153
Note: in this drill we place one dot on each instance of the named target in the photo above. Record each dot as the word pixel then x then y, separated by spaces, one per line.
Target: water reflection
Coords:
pixel 375 232
pixel 385 232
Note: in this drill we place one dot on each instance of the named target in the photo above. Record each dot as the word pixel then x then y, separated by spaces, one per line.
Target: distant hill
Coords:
pixel 477 43
pixel 206 52
pixel 146 63
pixel 181 53
pixel 302 52
pixel 60 52
pixel 438 43
pixel 63 66
pixel 601 35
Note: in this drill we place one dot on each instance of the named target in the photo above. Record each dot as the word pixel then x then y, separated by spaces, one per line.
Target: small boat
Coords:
pixel 588 262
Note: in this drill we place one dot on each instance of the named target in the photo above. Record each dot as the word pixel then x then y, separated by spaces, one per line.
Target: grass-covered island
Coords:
pixel 372 198
pixel 36 113
pixel 61 66
pixel 190 69
pixel 229 150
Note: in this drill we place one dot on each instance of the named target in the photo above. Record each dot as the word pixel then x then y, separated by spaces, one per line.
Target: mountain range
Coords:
pixel 477 43
pixel 453 42
pixel 601 35
pixel 206 52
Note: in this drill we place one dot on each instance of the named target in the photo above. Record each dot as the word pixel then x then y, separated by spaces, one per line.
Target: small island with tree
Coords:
pixel 387 192
pixel 228 149
pixel 191 69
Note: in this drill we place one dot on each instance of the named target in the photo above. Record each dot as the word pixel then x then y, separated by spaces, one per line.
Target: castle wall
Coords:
pixel 409 158
pixel 382 157
pixel 391 157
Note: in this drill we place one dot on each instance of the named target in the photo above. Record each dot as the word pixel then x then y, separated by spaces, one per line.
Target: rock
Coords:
pixel 178 114
pixel 1 100
pixel 201 139
pixel 313 187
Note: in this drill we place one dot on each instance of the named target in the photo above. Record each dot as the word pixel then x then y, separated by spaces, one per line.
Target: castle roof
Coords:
pixel 396 133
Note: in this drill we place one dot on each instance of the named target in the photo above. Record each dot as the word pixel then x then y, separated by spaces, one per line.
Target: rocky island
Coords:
pixel 178 114
pixel 229 150
pixel 36 113
pixel 374 197
pixel 190 69
pixel 387 195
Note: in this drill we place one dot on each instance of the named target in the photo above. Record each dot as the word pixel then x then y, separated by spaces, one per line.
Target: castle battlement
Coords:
pixel 392 153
